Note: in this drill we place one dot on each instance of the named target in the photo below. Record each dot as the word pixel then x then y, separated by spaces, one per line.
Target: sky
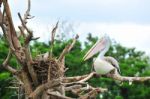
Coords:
pixel 126 21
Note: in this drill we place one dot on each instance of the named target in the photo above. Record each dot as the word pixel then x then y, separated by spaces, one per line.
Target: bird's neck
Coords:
pixel 103 52
pixel 101 55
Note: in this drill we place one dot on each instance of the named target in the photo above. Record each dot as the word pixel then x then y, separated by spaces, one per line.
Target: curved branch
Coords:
pixel 5 63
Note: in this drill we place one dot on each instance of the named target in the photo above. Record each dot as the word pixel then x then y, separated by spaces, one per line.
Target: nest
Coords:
pixel 42 67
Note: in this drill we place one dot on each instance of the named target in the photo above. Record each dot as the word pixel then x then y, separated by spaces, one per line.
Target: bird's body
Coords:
pixel 103 64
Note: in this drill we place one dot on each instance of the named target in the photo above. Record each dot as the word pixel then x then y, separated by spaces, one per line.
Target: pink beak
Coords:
pixel 97 47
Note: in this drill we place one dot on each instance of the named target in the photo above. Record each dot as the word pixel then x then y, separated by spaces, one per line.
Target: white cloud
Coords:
pixel 128 34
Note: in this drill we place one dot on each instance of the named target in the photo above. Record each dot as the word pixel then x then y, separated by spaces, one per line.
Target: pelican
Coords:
pixel 103 64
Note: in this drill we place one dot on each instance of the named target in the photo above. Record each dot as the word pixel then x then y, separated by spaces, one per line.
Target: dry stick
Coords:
pixel 73 87
pixel 125 78
pixel 21 32
pixel 10 69
pixel 51 50
pixel 26 15
pixel 8 58
pixel 67 48
pixel 28 38
pixel 52 37
pixel 74 79
pixel 5 63
pixel 88 77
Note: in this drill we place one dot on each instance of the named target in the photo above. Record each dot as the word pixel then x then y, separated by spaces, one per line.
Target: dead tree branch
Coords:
pixel 88 77
pixel 53 37
pixel 68 48
pixel 125 78
pixel 38 91
pixel 15 40
pixel 27 41
pixel 8 58
pixel 5 63
pixel 73 79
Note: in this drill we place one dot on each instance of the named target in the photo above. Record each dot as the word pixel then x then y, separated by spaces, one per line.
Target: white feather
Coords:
pixel 102 66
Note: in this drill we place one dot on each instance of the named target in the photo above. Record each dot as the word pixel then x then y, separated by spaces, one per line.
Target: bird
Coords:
pixel 103 64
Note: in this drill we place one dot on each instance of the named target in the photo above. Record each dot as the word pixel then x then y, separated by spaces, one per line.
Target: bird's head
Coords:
pixel 102 45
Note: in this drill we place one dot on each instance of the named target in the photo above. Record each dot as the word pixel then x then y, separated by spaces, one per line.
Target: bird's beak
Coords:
pixel 97 47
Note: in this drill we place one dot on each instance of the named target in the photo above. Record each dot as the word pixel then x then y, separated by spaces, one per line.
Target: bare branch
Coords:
pixel 125 78
pixel 12 30
pixel 8 58
pixel 10 69
pixel 74 41
pixel 88 77
pixel 5 63
pixel 21 31
pixel 67 48
pixel 73 79
pixel 53 34
pixel 73 87
pixel 26 16
pixel 28 38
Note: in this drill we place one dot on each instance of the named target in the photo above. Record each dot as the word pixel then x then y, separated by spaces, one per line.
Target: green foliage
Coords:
pixel 132 63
